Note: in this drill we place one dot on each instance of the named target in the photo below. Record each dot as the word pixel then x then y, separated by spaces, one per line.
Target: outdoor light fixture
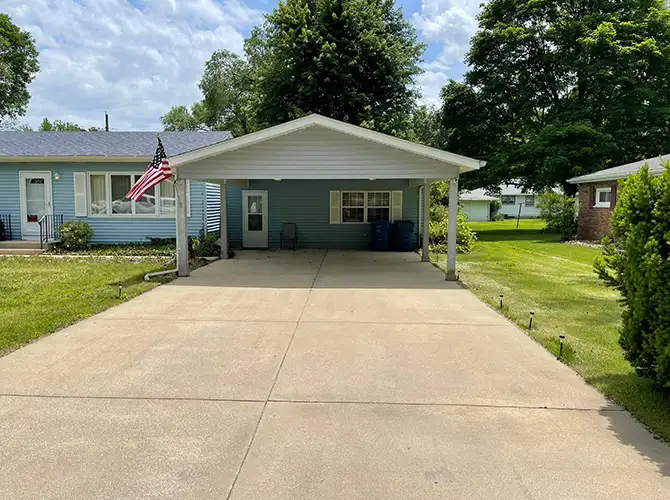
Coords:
pixel 530 323
pixel 561 339
pixel 56 176
pixel 277 179
pixel 501 301
pixel 372 179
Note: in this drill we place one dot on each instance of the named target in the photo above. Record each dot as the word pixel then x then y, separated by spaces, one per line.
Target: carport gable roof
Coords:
pixel 463 163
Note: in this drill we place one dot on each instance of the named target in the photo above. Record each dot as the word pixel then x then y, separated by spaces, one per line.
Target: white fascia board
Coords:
pixel 75 159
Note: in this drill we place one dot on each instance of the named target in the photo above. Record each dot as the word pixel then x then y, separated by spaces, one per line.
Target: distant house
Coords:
pixel 598 196
pixel 516 201
pixel 477 204
pixel 49 177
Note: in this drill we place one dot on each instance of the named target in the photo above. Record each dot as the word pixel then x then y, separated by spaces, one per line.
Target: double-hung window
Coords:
pixel 604 197
pixel 107 191
pixel 530 200
pixel 365 206
pixel 508 200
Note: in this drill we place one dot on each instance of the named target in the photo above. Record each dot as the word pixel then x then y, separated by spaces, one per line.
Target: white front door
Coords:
pixel 255 219
pixel 35 189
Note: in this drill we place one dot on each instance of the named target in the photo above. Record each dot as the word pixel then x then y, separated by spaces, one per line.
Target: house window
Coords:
pixel 530 200
pixel 508 200
pixel 365 206
pixel 604 197
pixel 107 196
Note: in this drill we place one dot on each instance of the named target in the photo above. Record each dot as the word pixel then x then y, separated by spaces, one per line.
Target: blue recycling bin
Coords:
pixel 404 236
pixel 380 235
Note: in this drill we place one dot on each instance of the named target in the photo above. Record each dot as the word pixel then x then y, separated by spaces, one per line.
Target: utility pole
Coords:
pixel 106 122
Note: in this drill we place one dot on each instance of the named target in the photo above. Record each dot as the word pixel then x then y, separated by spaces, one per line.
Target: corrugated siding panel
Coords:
pixel 213 208
pixel 106 229
pixel 307 204
pixel 317 151
pixel 9 197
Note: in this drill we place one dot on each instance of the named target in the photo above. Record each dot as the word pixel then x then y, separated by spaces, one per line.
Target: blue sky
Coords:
pixel 137 58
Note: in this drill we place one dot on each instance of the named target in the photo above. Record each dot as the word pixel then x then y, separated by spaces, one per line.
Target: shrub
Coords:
pixel 559 212
pixel 439 223
pixel 637 263
pixel 494 214
pixel 207 246
pixel 75 235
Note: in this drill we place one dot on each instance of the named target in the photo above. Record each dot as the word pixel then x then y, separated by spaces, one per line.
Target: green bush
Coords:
pixel 207 246
pixel 637 263
pixel 75 235
pixel 559 212
pixel 439 223
pixel 494 214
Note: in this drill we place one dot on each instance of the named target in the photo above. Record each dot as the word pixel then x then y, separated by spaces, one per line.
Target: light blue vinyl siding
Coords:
pixel 106 229
pixel 307 203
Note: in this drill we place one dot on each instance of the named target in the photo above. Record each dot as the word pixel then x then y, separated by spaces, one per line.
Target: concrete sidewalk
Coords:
pixel 311 375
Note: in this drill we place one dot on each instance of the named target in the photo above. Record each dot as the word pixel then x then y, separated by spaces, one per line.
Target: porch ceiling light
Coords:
pixel 373 179
pixel 277 179
pixel 56 176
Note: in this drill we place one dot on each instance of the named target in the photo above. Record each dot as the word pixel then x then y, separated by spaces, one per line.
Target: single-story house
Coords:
pixel 330 178
pixel 46 177
pixel 598 195
pixel 477 204
pixel 515 199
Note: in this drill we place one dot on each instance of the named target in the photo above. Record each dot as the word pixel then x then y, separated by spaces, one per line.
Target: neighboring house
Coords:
pixel 46 176
pixel 513 199
pixel 477 204
pixel 598 196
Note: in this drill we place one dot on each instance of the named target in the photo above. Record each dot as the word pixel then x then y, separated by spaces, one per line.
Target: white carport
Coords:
pixel 318 148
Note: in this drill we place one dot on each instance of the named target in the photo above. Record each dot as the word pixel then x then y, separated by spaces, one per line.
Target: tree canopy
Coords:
pixel 352 60
pixel 557 88
pixel 18 67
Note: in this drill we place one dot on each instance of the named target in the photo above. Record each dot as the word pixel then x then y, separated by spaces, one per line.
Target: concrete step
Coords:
pixel 25 245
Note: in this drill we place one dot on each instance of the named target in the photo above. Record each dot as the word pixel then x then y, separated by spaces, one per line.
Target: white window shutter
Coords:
pixel 396 205
pixel 80 198
pixel 335 207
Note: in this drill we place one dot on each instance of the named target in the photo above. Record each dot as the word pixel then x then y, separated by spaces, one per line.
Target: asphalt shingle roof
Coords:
pixel 103 144
pixel 623 171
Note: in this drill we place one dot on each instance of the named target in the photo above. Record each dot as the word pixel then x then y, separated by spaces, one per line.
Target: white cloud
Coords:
pixel 450 23
pixel 134 61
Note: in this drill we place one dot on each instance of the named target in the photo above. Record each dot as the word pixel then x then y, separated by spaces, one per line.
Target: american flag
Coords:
pixel 157 171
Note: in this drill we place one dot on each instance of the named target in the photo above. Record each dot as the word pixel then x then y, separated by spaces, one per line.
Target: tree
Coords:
pixel 180 118
pixel 559 88
pixel 637 263
pixel 425 126
pixel 18 67
pixel 59 126
pixel 352 60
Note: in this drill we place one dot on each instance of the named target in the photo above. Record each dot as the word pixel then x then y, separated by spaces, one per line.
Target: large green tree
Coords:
pixel 18 67
pixel 559 88
pixel 352 60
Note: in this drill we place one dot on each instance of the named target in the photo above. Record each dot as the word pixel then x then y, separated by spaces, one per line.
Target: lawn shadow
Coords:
pixel 636 393
pixel 516 234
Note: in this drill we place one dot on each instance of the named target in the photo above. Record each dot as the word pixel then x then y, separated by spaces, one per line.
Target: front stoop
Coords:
pixel 24 247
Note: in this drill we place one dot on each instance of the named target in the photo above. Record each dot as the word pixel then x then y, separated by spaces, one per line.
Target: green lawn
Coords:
pixel 39 295
pixel 535 272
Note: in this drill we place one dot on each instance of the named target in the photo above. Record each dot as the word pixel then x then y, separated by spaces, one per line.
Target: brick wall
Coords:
pixel 594 222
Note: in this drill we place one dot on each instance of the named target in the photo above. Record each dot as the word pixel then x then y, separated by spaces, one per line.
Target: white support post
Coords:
pixel 452 230
pixel 224 221
pixel 425 256
pixel 182 232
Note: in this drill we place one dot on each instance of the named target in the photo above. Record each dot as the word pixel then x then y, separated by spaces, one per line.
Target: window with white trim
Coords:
pixel 508 200
pixel 530 200
pixel 604 197
pixel 107 191
pixel 359 207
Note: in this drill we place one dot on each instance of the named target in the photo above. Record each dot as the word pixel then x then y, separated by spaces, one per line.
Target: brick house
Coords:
pixel 598 196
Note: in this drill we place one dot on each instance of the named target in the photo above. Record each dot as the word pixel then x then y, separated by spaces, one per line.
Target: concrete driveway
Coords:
pixel 311 375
